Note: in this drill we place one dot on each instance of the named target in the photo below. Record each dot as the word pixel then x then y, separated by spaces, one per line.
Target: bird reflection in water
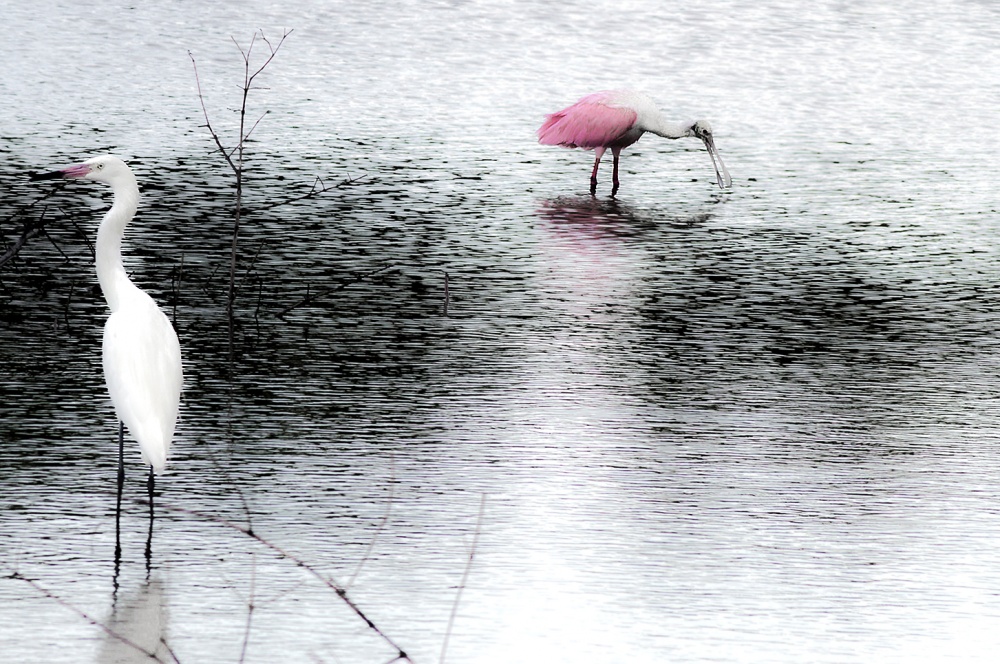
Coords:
pixel 137 626
pixel 599 218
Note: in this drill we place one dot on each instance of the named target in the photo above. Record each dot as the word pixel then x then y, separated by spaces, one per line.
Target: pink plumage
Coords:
pixel 589 123
pixel 616 119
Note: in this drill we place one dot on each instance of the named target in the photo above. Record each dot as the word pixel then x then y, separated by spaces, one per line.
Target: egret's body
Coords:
pixel 616 119
pixel 142 356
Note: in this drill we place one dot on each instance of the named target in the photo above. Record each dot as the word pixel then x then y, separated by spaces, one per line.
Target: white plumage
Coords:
pixel 142 367
pixel 142 356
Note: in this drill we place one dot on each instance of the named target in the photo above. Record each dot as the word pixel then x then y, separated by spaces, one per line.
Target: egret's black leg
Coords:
pixel 149 537
pixel 121 483
pixel 118 509
pixel 149 489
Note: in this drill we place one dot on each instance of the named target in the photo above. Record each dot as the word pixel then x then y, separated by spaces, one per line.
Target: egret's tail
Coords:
pixel 154 444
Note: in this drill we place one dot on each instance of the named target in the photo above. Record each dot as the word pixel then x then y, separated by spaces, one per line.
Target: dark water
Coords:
pixel 755 425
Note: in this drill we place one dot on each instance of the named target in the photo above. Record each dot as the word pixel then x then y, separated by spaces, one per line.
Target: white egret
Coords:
pixel 142 356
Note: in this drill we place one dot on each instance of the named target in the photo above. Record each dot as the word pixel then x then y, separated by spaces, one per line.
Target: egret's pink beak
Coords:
pixel 77 171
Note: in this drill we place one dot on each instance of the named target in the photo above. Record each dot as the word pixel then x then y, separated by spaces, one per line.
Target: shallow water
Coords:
pixel 754 425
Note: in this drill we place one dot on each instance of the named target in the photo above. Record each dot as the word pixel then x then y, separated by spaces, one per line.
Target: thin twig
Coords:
pixel 224 472
pixel 247 137
pixel 253 261
pixel 327 581
pixel 308 299
pixel 93 621
pixel 209 280
pixel 322 189
pixel 179 272
pixel 86 238
pixel 250 608
pixel 274 51
pixel 30 228
pixel 381 525
pixel 173 655
pixel 446 295
pixel 26 234
pixel 204 110
pixel 41 230
pixel 256 312
pixel 69 301
pixel 465 578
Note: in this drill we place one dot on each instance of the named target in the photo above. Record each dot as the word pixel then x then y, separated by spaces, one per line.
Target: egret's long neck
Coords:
pixel 110 271
pixel 661 127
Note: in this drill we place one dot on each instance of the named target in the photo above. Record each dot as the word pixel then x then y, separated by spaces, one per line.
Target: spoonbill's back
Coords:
pixel 616 119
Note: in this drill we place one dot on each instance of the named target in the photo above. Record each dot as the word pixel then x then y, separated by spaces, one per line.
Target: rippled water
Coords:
pixel 755 425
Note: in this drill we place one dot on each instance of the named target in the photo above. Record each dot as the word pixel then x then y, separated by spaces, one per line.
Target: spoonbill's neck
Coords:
pixel 110 271
pixel 660 126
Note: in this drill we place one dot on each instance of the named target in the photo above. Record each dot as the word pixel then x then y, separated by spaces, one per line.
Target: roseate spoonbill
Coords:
pixel 616 119
pixel 142 356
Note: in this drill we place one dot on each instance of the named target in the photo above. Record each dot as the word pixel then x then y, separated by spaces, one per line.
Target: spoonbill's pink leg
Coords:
pixel 598 152
pixel 615 152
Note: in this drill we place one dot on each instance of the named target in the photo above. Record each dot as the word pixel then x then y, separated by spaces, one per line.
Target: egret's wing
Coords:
pixel 589 123
pixel 142 368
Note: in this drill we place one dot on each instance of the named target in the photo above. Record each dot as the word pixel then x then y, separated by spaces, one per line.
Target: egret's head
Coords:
pixel 106 168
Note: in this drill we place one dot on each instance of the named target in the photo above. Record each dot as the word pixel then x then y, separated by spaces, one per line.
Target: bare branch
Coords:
pixel 27 232
pixel 313 192
pixel 204 110
pixel 247 136
pixel 274 52
pixel 447 297
pixel 381 525
pixel 170 650
pixel 86 238
pixel 327 581
pixel 309 298
pixel 42 231
pixel 465 577
pixel 250 608
pixel 93 621
pixel 30 227
pixel 253 261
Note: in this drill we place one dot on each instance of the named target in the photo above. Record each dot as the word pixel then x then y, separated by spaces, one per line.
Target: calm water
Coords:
pixel 755 426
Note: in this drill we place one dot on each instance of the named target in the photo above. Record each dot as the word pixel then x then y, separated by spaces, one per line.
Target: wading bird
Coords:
pixel 142 357
pixel 616 119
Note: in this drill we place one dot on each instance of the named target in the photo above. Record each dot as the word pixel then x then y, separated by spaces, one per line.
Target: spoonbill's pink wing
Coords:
pixel 589 123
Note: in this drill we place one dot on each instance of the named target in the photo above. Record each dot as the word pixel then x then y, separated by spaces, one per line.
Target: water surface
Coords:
pixel 753 425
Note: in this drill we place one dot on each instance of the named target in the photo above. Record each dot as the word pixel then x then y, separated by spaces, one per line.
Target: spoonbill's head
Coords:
pixel 106 168
pixel 703 130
